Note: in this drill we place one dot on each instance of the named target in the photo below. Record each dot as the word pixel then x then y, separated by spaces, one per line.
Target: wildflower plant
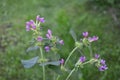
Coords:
pixel 46 42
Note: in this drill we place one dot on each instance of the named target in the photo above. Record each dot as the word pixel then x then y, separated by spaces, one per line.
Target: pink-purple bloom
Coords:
pixel 39 38
pixel 62 61
pixel 61 42
pixel 82 59
pixel 102 61
pixel 85 34
pixel 38 18
pixel 30 24
pixel 94 38
pixel 49 34
pixel 97 56
pixel 47 48
pixel 103 68
pixel 27 26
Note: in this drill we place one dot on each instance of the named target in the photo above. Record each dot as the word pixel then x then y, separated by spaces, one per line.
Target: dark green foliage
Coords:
pixel 106 3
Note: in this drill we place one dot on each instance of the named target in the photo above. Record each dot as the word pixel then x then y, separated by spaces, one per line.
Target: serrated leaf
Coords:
pixel 55 63
pixel 32 48
pixel 73 35
pixel 30 63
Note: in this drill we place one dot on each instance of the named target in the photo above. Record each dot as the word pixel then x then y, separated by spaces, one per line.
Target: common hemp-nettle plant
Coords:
pixel 48 44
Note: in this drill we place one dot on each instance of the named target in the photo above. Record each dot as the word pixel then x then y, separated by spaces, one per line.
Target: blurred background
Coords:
pixel 98 17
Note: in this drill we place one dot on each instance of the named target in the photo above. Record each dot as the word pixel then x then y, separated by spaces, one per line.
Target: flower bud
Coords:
pixel 78 44
pixel 82 59
pixel 61 42
pixel 85 34
pixel 47 48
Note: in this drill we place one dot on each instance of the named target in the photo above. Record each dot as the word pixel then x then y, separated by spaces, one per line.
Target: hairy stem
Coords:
pixel 75 67
pixel 70 55
pixel 43 67
pixel 90 49
pixel 70 74
pixel 58 77
pixel 67 60
pixel 88 62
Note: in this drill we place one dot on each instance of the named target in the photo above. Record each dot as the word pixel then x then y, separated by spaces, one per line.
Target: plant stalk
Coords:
pixel 43 67
pixel 67 60
pixel 58 77
pixel 70 55
pixel 70 74
pixel 90 49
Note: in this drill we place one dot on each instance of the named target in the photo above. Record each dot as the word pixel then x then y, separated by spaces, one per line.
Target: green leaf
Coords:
pixel 32 48
pixel 55 63
pixel 30 63
pixel 73 35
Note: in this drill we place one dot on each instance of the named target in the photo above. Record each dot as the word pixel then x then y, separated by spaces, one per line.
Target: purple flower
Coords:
pixel 61 42
pixel 30 24
pixel 47 48
pixel 103 68
pixel 62 61
pixel 27 26
pixel 42 20
pixel 39 38
pixel 97 56
pixel 49 34
pixel 85 34
pixel 38 18
pixel 82 59
pixel 94 38
pixel 102 61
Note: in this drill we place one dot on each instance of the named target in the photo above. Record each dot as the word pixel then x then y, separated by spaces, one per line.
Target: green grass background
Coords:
pixel 60 16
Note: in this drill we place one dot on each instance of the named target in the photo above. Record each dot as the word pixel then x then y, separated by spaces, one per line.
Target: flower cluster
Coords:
pixel 96 59
pixel 103 65
pixel 100 62
pixel 86 40
pixel 35 27
pixel 40 19
pixel 90 39
pixel 30 25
